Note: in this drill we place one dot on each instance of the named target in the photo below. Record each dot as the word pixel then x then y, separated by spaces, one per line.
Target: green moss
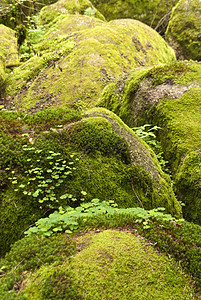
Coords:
pixel 181 242
pixel 188 185
pixel 30 254
pixel 183 32
pixel 120 265
pixel 49 13
pixel 96 54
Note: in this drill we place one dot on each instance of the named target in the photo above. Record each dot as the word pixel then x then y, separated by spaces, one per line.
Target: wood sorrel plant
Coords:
pixel 45 176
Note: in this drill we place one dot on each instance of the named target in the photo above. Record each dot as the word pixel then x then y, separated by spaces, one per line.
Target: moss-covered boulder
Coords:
pixel 78 56
pixel 184 29
pixel 68 7
pixel 49 158
pixel 8 53
pixel 119 263
pixel 153 13
pixel 167 96
pixel 42 267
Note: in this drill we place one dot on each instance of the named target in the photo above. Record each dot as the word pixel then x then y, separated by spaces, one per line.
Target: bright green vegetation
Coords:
pixel 184 29
pixel 70 219
pixel 175 107
pixel 119 262
pixel 146 132
pixel 153 13
pixel 86 51
pixel 45 176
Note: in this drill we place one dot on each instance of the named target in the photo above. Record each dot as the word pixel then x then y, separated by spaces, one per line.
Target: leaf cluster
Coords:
pixel 69 218
pixel 147 133
pixel 43 175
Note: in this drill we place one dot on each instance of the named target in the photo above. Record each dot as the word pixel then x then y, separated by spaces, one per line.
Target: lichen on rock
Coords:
pixel 184 29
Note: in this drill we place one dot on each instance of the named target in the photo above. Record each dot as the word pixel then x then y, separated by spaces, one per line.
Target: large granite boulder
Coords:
pixel 119 263
pixel 168 96
pixel 78 57
pixel 99 153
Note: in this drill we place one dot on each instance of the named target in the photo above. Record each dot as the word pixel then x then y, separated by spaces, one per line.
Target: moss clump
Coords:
pixel 183 32
pixel 49 13
pixel 167 96
pixel 96 54
pixel 30 254
pixel 181 242
pixel 153 13
pixel 120 264
pixel 187 182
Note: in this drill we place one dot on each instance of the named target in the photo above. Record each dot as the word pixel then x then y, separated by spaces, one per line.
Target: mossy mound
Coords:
pixel 119 263
pixel 68 7
pixel 153 13
pixel 37 166
pixel 184 29
pixel 73 66
pixel 54 262
pixel 167 96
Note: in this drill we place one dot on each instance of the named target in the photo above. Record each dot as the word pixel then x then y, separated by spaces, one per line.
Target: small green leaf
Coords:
pixel 21 186
pixel 64 196
pixel 36 193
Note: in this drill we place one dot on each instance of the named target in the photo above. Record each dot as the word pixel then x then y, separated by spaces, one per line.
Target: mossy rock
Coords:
pixel 184 29
pixel 167 96
pixel 153 13
pixel 58 258
pixel 8 47
pixel 119 263
pixel 72 66
pixel 8 53
pixel 68 7
pixel 112 164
